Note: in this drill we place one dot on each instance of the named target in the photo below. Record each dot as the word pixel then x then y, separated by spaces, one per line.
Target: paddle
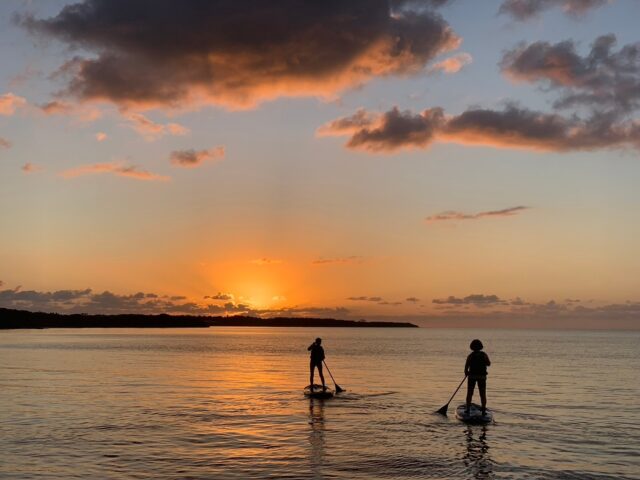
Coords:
pixel 338 389
pixel 443 410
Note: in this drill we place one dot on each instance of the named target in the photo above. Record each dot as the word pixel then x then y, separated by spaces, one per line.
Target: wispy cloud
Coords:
pixel 101 136
pixel 338 260
pixel 527 9
pixel 4 143
pixel 29 168
pixel 9 103
pixel 452 64
pixel 452 215
pixel 151 130
pixel 266 261
pixel 114 168
pixel 195 158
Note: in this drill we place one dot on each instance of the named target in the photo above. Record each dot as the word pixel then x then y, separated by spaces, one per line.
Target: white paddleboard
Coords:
pixel 475 414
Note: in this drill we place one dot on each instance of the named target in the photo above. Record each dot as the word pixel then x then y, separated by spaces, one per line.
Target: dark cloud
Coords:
pixel 237 53
pixel 194 158
pixel 604 78
pixel 365 299
pixel 477 300
pixel 387 131
pixel 453 215
pixel 512 127
pixel 106 302
pixel 220 296
pixel 526 9
pixel 412 299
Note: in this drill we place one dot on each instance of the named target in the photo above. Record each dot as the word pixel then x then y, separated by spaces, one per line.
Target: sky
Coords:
pixel 431 161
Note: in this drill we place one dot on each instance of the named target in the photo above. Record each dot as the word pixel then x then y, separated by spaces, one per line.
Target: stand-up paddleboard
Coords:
pixel 475 414
pixel 316 391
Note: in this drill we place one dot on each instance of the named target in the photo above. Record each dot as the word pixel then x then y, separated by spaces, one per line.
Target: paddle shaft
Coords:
pixel 334 380
pixel 454 393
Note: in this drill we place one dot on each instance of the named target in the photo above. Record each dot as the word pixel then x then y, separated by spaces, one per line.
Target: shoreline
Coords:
pixel 11 319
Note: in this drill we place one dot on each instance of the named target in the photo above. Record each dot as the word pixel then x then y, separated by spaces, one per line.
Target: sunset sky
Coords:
pixel 448 162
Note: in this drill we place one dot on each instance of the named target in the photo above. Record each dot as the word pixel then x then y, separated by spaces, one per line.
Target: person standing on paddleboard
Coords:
pixel 475 369
pixel 317 357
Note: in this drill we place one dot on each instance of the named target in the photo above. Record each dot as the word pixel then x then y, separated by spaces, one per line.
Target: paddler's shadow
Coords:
pixel 477 457
pixel 316 436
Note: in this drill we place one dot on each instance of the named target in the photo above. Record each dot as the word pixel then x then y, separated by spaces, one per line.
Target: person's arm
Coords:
pixel 488 362
pixel 466 366
pixel 310 347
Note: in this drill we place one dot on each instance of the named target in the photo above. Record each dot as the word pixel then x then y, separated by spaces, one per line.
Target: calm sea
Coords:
pixel 227 403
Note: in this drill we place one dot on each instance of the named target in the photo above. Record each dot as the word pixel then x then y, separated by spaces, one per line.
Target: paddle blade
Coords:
pixel 338 389
pixel 443 410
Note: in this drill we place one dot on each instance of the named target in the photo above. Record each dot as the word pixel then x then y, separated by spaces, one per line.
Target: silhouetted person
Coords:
pixel 317 356
pixel 476 370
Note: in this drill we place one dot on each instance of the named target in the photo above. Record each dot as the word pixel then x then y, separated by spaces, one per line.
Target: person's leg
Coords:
pixel 471 385
pixel 311 366
pixel 324 387
pixel 482 388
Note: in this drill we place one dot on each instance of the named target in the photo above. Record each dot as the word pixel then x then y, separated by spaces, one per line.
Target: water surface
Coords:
pixel 227 403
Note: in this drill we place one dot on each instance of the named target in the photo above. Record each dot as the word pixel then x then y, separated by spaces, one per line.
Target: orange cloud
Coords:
pixel 101 136
pixel 9 103
pixel 151 130
pixel 187 52
pixel 194 158
pixel 452 64
pixel 114 168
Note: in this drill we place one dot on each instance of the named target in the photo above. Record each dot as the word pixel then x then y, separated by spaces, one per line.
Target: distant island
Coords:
pixel 23 319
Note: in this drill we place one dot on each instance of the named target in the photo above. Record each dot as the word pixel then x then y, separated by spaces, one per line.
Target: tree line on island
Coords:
pixel 23 319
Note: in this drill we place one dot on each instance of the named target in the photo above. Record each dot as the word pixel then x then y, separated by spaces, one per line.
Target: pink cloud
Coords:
pixel 114 168
pixel 9 103
pixel 151 130
pixel 29 167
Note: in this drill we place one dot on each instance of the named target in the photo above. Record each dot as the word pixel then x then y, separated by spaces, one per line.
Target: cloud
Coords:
pixel 388 131
pixel 412 299
pixel 526 9
pixel 365 299
pixel 29 167
pixel 453 215
pixel 101 136
pixel 266 261
pixel 84 113
pixel 512 127
pixel 603 79
pixel 194 158
pixel 152 53
pixel 220 296
pixel 338 260
pixel 151 130
pixel 114 168
pixel 452 64
pixel 107 302
pixel 9 103
pixel 477 300
pixel 4 143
